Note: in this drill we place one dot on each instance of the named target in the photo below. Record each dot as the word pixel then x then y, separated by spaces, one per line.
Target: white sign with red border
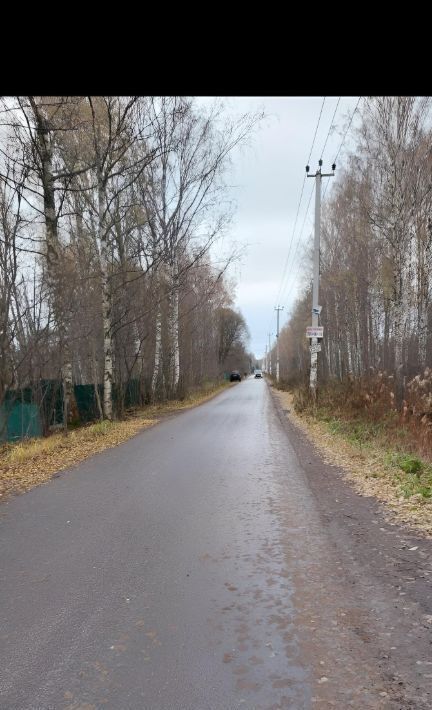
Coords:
pixel 315 331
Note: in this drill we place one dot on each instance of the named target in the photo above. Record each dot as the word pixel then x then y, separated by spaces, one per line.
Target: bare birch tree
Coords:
pixel 185 200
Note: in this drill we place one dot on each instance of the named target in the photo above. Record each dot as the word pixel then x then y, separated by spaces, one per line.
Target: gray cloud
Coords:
pixel 265 182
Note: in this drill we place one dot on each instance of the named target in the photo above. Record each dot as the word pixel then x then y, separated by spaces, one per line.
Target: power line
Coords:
pixel 330 127
pixel 348 127
pixel 316 130
pixel 287 295
pixel 298 212
pixel 343 139
pixel 304 179
pixel 284 271
pixel 291 242
pixel 282 289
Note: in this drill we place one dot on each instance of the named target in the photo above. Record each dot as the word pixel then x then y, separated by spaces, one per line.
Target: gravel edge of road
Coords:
pixel 338 503
pixel 395 559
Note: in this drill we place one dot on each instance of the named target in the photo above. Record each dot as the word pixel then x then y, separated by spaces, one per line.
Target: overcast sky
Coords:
pixel 267 181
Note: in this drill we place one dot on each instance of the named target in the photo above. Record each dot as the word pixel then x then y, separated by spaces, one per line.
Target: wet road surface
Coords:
pixel 192 567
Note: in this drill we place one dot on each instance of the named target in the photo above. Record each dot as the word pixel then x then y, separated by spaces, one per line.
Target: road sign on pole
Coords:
pixel 315 331
pixel 316 348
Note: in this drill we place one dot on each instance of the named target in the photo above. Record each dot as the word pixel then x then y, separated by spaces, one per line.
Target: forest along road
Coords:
pixel 213 561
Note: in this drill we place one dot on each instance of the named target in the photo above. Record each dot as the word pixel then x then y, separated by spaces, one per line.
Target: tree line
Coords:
pixel 376 255
pixel 109 210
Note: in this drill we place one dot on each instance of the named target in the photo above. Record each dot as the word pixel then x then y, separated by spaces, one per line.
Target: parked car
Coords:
pixel 235 376
pixel 258 373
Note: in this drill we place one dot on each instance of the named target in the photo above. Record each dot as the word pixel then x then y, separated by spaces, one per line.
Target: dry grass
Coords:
pixel 34 461
pixel 373 469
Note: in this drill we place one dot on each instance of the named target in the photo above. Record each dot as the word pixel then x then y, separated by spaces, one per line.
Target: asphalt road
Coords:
pixel 192 568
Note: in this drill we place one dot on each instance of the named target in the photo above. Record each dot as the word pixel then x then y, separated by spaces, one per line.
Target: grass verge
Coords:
pixel 373 457
pixel 31 462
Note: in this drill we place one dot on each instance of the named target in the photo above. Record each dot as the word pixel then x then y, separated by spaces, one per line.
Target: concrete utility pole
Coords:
pixel 269 369
pixel 277 308
pixel 265 361
pixel 315 346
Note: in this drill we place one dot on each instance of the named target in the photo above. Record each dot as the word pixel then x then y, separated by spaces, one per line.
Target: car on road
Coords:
pixel 235 376
pixel 258 373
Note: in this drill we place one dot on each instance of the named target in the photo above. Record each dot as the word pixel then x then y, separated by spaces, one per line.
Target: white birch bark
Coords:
pixel 106 302
pixel 158 351
pixel 174 329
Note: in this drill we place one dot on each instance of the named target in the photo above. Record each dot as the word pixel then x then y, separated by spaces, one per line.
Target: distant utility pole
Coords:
pixel 277 308
pixel 269 369
pixel 316 332
pixel 266 361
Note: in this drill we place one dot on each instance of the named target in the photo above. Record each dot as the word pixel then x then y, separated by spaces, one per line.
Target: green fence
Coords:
pixel 19 421
pixel 32 411
pixel 85 397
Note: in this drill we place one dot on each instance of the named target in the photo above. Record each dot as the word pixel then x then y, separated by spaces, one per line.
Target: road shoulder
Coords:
pixel 386 563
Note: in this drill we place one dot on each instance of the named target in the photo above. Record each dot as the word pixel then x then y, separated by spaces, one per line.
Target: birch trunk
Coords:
pixel 423 276
pixel 386 357
pixel 398 331
pixel 176 374
pixel 138 358
pixel 158 352
pixel 96 384
pixel 422 337
pixel 52 246
pixel 106 302
pixel 173 327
